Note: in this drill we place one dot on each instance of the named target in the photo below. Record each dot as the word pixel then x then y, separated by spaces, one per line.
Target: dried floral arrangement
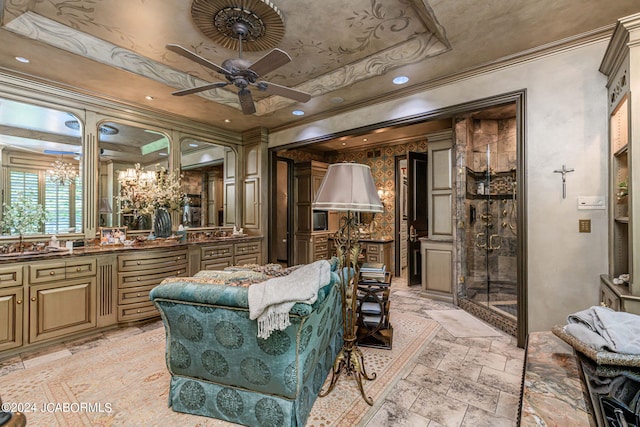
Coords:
pixel 143 192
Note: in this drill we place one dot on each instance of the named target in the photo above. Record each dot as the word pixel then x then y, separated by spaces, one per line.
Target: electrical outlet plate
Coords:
pixel 584 225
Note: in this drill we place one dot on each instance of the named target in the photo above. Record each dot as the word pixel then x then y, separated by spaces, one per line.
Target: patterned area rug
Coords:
pixel 128 384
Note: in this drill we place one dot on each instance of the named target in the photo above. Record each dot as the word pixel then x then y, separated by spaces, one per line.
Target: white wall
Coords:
pixel 565 124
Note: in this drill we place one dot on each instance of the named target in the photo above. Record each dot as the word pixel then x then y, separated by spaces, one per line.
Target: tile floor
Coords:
pixel 469 375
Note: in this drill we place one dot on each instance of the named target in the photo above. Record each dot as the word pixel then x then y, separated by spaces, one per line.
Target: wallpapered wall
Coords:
pixel 382 169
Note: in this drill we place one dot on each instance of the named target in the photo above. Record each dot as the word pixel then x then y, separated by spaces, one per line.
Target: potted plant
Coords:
pixel 22 216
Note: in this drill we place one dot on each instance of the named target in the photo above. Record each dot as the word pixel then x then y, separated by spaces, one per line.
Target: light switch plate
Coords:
pixel 591 202
pixel 584 225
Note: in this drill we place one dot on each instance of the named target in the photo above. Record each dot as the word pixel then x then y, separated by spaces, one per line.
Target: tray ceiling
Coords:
pixel 343 53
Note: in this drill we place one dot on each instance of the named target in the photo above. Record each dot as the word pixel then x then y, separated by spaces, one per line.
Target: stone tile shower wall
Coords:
pixel 495 209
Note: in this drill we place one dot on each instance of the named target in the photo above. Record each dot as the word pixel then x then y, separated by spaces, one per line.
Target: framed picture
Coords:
pixel 113 235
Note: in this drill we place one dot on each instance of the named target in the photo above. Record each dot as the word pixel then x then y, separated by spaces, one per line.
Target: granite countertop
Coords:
pixel 553 393
pixel 101 249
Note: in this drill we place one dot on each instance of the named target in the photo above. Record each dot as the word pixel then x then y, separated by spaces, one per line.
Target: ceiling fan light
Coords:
pixel 297 113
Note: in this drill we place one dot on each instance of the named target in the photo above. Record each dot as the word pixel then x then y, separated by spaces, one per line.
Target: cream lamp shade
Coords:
pixel 348 187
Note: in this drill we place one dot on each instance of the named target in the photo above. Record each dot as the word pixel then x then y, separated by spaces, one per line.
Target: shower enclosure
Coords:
pixel 489 242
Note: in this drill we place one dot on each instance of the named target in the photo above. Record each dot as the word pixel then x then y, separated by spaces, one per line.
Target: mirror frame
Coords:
pixel 78 115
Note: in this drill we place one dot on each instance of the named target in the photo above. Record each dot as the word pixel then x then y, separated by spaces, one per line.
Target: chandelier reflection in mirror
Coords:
pixel 143 192
pixel 135 186
pixel 62 173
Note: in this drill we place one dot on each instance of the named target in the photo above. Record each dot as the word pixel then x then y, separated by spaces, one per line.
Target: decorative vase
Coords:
pixel 162 223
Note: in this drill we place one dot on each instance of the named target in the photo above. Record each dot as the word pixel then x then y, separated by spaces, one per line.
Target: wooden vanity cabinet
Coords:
pixel 218 255
pixel 62 298
pixel 141 271
pixel 248 253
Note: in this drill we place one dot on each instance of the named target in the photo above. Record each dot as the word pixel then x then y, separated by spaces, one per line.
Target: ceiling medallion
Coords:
pixel 216 19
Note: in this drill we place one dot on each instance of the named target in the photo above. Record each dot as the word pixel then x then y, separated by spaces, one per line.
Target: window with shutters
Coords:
pixel 63 203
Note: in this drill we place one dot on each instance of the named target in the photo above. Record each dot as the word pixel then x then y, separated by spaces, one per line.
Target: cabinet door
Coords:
pixel 57 309
pixel 251 205
pixel 11 310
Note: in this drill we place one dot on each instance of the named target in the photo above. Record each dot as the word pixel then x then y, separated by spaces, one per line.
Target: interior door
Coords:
pixel 417 213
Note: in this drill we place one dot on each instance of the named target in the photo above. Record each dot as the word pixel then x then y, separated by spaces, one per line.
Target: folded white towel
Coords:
pixel 270 301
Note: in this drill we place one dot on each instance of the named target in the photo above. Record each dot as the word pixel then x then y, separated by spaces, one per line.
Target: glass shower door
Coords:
pixel 492 235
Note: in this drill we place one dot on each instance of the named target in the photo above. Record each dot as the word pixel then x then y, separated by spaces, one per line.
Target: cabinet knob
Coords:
pixel 33 298
pixel 137 311
pixel 138 294
pixel 138 263
pixel 19 301
pixel 78 269
pixel 137 279
pixel 52 273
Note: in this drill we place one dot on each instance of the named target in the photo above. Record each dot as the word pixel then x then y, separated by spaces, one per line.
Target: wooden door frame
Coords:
pixel 398 217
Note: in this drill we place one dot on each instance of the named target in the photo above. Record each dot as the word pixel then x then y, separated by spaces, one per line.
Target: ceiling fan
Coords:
pixel 242 73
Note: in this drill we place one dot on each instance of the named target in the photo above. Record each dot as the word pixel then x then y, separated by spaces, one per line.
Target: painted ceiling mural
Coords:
pixel 344 53
pixel 371 37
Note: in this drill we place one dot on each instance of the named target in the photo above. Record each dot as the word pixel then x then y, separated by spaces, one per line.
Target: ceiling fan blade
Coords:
pixel 272 60
pixel 199 89
pixel 246 101
pixel 287 92
pixel 175 48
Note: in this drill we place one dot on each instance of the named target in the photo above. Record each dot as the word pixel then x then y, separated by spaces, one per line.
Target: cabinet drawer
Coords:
pixel 137 311
pixel 10 276
pixel 216 264
pixel 150 260
pixel 153 277
pixel 81 268
pixel 321 238
pixel 134 294
pixel 373 249
pixel 47 272
pixel 321 247
pixel 373 257
pixel 218 251
pixel 248 259
pixel 247 248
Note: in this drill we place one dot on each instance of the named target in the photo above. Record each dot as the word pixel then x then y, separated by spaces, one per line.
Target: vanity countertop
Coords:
pixel 101 249
pixel 553 393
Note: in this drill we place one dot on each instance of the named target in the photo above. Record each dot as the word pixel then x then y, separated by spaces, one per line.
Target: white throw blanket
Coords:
pixel 606 329
pixel 270 301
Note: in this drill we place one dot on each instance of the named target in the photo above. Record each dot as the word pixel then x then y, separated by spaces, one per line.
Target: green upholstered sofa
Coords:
pixel 221 369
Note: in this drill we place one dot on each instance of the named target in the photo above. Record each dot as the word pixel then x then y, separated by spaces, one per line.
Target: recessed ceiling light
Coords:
pixel 22 59
pixel 227 121
pixel 337 100
pixel 365 139
pixel 297 113
pixel 149 98
pixel 344 143
pixel 400 80
pixel 162 153
pixel 193 145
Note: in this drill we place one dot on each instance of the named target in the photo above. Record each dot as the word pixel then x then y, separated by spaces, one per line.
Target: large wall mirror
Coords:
pixel 41 170
pixel 207 180
pixel 120 147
